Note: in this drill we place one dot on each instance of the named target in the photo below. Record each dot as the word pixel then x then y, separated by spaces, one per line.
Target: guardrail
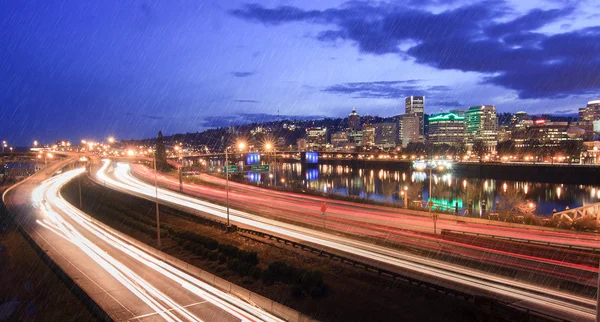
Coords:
pixel 520 240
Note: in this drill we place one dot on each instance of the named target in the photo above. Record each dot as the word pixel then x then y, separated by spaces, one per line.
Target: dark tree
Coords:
pixel 572 149
pixel 161 154
pixel 416 148
pixel 506 147
pixel 479 149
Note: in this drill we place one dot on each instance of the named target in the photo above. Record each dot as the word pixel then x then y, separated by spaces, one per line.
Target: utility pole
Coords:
pixel 80 201
pixel 157 211
pixel 181 179
pixel 598 296
pixel 227 183
pixel 434 217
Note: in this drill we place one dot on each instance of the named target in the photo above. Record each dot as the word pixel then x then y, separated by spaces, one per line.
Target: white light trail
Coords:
pixel 48 198
pixel 570 304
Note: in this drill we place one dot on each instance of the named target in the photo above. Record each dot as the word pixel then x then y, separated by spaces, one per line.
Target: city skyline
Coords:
pixel 132 69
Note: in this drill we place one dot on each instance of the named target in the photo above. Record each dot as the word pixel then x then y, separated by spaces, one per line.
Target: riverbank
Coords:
pixel 540 172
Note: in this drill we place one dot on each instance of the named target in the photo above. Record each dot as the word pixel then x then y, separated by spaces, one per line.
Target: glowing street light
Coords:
pixel 35 143
pixel 270 146
pixel 111 139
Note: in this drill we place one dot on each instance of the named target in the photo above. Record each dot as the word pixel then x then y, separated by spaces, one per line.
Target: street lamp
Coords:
pixel 241 146
pixel 111 139
pixel 35 143
pixel 156 199
pixel 4 145
pixel 269 146
pixel 431 165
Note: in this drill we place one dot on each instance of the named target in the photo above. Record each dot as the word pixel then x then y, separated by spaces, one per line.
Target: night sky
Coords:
pixel 73 69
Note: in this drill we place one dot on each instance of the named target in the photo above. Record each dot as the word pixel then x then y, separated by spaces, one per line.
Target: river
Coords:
pixel 449 190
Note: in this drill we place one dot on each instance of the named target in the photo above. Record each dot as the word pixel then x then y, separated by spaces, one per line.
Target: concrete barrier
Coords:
pixel 223 284
pixel 262 301
pixel 240 292
pixel 285 312
pixel 207 277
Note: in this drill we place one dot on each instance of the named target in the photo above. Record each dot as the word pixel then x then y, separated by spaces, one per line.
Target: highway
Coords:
pixel 125 280
pixel 377 221
pixel 542 299
pixel 408 229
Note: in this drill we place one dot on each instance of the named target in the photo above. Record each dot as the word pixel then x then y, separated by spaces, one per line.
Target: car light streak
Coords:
pixel 52 205
pixel 569 304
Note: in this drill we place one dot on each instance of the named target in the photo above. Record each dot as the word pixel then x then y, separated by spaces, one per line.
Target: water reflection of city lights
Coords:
pixel 526 189
pixel 465 183
pixel 558 192
pixel 504 187
pixel 485 185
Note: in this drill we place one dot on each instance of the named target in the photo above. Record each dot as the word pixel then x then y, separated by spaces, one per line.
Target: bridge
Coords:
pixel 587 211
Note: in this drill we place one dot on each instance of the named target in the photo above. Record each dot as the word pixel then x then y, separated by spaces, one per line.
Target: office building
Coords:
pixel 481 124
pixel 587 116
pixel 368 135
pixel 316 138
pixel 356 138
pixel 544 133
pixel 520 121
pixel 354 121
pixel 386 135
pixel 340 142
pixel 416 105
pixel 409 129
pixel 446 128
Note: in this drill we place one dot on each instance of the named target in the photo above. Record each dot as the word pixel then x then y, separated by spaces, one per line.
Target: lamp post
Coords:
pixel 434 216
pixel 270 146
pixel 4 145
pixel 227 182
pixel 241 146
pixel 156 199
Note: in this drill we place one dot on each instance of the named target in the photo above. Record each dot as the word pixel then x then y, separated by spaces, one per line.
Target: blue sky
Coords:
pixel 89 69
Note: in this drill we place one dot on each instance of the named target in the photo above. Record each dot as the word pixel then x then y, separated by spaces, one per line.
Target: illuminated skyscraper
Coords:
pixel 446 128
pixel 354 121
pixel 416 105
pixel 482 125
pixel 409 129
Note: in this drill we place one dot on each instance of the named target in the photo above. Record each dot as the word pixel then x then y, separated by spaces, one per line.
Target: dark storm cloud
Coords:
pixel 384 89
pixel 242 74
pixel 451 103
pixel 467 38
pixel 533 20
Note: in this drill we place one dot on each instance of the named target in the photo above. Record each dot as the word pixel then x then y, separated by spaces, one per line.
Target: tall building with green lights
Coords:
pixel 447 128
pixel 481 124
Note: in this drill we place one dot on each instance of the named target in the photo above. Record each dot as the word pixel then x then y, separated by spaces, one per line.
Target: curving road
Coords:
pixel 125 280
pixel 542 299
